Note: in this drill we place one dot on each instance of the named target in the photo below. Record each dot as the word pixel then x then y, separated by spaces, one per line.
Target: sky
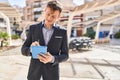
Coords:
pixel 21 3
pixel 78 2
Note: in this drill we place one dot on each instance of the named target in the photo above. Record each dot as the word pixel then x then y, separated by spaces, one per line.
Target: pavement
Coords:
pixel 92 64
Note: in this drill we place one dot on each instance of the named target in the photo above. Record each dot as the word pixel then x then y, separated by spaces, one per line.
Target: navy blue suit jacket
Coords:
pixel 57 46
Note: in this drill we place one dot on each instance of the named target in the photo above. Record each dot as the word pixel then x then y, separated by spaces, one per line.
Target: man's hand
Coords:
pixel 36 43
pixel 46 58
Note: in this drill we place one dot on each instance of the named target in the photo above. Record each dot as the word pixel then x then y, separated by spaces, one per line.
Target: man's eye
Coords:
pixel 53 16
pixel 48 14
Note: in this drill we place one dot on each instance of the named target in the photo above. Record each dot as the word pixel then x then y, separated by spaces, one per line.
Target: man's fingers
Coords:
pixel 48 54
pixel 41 58
pixel 45 58
pixel 43 55
pixel 36 43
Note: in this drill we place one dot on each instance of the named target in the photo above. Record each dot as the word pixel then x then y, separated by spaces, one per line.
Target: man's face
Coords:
pixel 51 16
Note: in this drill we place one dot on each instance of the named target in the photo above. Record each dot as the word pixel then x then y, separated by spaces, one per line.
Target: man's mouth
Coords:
pixel 49 21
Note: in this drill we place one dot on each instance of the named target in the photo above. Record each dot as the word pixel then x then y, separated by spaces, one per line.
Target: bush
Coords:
pixel 4 35
pixel 14 36
pixel 117 35
pixel 90 33
pixel 87 35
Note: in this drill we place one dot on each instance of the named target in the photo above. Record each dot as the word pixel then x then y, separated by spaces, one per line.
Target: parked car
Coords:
pixel 80 42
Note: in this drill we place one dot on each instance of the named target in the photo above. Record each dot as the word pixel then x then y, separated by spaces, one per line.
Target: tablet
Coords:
pixel 36 50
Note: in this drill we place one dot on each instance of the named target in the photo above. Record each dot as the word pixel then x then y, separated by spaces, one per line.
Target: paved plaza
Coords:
pixel 93 64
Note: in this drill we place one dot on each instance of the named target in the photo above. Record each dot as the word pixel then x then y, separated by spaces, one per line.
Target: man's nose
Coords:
pixel 49 17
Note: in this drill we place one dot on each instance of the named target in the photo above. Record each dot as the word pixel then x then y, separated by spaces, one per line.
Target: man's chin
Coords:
pixel 49 23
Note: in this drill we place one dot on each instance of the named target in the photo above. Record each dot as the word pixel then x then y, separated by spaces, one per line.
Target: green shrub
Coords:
pixel 14 36
pixel 4 35
pixel 90 33
pixel 5 43
pixel 117 35
pixel 87 35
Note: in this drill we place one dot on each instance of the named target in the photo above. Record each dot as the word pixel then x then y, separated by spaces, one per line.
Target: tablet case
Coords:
pixel 36 50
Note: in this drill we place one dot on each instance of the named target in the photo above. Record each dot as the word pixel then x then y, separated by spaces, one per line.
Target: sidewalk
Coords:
pixel 95 64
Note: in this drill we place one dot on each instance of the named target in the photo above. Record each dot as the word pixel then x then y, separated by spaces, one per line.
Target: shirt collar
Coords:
pixel 43 23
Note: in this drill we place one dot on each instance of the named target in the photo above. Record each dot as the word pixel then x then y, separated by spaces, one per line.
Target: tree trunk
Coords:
pixel 1 43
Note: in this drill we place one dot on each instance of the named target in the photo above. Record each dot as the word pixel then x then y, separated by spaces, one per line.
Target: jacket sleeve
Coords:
pixel 63 56
pixel 26 46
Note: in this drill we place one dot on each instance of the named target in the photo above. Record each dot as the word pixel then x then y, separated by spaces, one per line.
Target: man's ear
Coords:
pixel 59 16
pixel 44 9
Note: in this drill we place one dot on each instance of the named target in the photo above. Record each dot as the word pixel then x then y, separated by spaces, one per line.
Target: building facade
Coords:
pixel 11 12
pixel 33 9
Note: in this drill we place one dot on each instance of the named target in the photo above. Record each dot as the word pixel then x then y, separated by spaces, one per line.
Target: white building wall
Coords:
pixel 107 28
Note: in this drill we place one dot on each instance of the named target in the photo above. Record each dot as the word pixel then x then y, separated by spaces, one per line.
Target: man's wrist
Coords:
pixel 53 59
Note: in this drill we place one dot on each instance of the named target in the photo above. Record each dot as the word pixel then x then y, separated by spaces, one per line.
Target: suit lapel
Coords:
pixel 40 34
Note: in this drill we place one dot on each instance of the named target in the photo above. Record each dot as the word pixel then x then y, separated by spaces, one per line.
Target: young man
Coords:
pixel 47 33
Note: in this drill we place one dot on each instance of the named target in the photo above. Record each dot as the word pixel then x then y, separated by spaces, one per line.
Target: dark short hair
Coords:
pixel 54 6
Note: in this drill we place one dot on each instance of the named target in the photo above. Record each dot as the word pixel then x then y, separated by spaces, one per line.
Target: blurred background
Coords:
pixel 93 28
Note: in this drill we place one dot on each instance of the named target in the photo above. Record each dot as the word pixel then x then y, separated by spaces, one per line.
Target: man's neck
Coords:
pixel 48 26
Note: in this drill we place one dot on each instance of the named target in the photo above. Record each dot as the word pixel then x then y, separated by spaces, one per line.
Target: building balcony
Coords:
pixel 38 9
pixel 37 12
pixel 35 19
pixel 29 13
pixel 36 5
pixel 28 7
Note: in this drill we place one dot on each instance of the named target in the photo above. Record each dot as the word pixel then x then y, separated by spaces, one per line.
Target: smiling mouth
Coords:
pixel 49 21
